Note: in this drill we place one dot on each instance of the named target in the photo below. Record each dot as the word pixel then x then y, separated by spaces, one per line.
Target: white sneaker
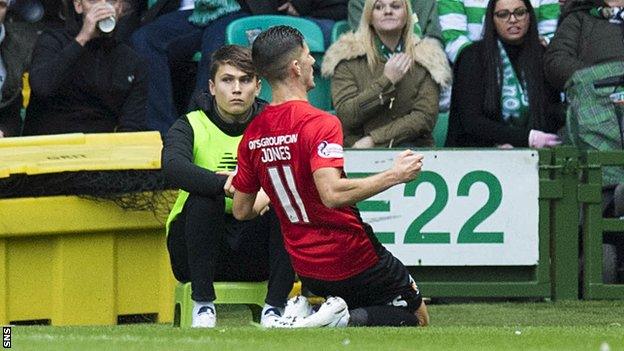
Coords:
pixel 205 318
pixel 271 318
pixel 297 307
pixel 334 313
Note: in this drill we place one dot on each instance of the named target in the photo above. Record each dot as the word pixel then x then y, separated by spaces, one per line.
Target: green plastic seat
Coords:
pixel 251 294
pixel 244 30
pixel 339 28
pixel 440 130
pixel 320 96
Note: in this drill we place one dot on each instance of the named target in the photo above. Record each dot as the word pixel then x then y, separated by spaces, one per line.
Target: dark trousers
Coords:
pixel 205 245
pixel 172 36
pixel 386 283
pixel 382 295
pixel 10 119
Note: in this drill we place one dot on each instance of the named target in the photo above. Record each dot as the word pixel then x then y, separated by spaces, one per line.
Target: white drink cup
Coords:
pixel 108 24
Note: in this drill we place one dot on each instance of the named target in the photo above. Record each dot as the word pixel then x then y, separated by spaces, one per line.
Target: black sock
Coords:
pixel 382 316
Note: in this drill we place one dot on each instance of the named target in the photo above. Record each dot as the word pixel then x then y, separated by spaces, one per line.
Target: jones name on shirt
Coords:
pixel 274 148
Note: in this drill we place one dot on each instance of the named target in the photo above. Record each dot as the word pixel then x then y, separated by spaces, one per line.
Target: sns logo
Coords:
pixel 6 337
pixel 330 150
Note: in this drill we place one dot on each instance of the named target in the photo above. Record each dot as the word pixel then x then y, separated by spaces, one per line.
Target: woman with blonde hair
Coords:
pixel 385 79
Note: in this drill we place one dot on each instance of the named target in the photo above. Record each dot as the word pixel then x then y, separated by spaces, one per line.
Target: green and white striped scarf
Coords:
pixel 385 51
pixel 613 14
pixel 514 99
pixel 206 11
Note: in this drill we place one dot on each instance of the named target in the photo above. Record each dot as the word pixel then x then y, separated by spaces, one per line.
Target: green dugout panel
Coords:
pixel 594 226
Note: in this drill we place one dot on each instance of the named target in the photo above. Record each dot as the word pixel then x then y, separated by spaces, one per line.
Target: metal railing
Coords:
pixel 594 226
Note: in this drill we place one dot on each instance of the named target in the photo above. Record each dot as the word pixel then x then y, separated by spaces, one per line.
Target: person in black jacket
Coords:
pixel 83 80
pixel 499 95
pixel 204 240
pixel 16 44
pixel 323 12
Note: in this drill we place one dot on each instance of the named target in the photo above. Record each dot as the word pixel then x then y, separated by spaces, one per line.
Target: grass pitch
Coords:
pixel 574 325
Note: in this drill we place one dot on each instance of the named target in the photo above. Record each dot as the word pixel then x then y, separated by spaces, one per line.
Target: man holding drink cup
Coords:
pixel 83 79
pixel 99 17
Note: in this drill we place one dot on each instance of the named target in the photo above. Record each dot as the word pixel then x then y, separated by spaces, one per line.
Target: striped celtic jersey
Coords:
pixel 462 22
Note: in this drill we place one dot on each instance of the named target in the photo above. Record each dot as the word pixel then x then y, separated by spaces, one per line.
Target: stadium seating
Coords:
pixel 244 30
pixel 440 130
pixel 339 28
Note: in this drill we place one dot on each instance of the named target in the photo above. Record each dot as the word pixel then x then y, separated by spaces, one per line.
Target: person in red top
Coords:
pixel 294 152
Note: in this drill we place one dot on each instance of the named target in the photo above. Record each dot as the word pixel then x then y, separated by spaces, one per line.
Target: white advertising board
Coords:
pixel 467 208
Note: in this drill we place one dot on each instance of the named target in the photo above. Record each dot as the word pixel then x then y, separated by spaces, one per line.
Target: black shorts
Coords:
pixel 386 283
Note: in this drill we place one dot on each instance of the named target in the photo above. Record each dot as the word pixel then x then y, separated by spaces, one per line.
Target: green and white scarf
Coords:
pixel 206 11
pixel 385 51
pixel 514 99
pixel 613 14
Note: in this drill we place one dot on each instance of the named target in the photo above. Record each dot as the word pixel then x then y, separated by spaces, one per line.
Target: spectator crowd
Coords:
pixel 516 68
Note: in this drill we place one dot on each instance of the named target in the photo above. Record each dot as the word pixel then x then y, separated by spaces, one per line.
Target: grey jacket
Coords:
pixel 581 41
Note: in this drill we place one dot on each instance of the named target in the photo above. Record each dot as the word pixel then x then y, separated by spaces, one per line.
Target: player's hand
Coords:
pixel 505 146
pixel 397 66
pixel 261 205
pixel 95 14
pixel 228 189
pixel 364 143
pixel 407 166
pixel 1 134
pixel 289 9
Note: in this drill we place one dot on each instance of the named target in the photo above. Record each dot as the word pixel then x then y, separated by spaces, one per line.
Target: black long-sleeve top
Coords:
pixel 177 155
pixel 101 87
pixel 330 9
pixel 469 124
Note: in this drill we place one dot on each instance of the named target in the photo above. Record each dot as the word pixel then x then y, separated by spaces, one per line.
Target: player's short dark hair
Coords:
pixel 233 55
pixel 274 49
